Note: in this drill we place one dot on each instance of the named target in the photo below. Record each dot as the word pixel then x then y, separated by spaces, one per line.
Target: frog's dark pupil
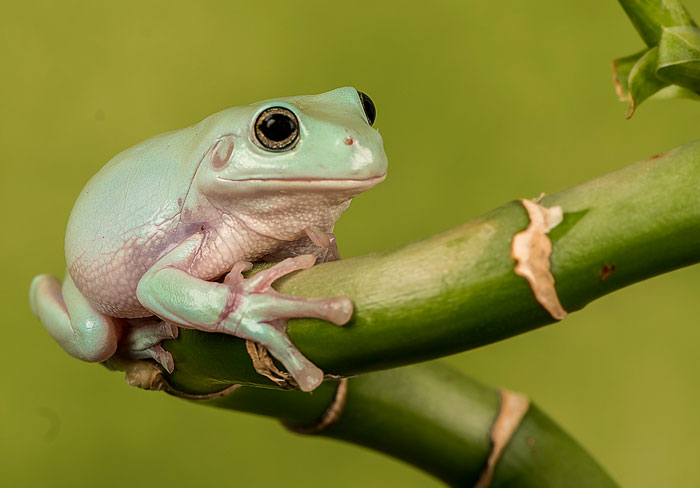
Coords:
pixel 277 127
pixel 368 107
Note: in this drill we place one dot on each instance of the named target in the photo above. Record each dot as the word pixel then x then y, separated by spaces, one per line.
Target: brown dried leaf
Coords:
pixel 532 248
pixel 144 374
pixel 330 416
pixel 264 365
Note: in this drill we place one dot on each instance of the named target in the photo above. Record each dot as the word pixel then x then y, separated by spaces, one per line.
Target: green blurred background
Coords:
pixel 479 103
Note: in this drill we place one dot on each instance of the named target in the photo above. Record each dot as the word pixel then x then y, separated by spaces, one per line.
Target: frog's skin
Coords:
pixel 153 232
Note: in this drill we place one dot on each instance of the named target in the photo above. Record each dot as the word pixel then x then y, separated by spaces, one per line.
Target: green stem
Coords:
pixel 437 420
pixel 457 290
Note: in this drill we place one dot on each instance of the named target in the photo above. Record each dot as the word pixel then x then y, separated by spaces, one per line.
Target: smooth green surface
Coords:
pixel 509 99
pixel 436 419
pixel 439 421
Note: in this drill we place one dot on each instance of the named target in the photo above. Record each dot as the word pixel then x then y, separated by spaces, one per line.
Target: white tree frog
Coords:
pixel 154 231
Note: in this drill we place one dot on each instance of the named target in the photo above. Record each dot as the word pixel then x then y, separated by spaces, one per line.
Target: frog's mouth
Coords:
pixel 360 184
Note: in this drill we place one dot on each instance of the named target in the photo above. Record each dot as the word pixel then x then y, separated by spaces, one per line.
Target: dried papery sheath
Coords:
pixel 532 248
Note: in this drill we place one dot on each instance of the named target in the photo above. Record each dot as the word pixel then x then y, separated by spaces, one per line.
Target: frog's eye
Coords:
pixel 368 107
pixel 277 129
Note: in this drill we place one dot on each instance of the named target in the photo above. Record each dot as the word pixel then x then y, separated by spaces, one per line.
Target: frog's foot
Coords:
pixel 141 340
pixel 258 313
pixel 325 240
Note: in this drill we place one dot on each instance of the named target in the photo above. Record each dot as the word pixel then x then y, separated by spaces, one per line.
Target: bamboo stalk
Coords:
pixel 437 420
pixel 457 290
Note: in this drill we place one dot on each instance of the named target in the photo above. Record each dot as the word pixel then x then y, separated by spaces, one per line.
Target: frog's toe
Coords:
pixel 142 341
pixel 333 253
pixel 156 352
pixel 337 310
pixel 162 357
pixel 263 280
pixel 324 240
pixel 309 378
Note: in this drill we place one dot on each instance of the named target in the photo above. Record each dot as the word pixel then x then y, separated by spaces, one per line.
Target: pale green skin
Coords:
pixel 151 231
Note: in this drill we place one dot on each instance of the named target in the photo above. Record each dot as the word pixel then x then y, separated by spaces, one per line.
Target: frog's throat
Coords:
pixel 282 209
pixel 289 227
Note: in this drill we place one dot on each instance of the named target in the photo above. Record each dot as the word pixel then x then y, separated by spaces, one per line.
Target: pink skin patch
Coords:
pixel 222 151
pixel 349 141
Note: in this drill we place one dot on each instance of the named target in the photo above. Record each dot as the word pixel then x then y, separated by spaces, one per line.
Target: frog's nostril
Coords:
pixel 349 141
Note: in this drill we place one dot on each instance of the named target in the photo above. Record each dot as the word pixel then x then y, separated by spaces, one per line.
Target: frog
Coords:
pixel 160 238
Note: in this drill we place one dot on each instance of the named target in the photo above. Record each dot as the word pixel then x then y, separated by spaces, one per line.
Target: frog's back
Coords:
pixel 126 217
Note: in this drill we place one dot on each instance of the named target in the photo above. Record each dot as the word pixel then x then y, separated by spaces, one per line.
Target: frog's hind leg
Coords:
pixel 79 329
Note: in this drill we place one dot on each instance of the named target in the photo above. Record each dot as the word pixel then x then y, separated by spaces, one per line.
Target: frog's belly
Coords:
pixel 107 267
pixel 108 275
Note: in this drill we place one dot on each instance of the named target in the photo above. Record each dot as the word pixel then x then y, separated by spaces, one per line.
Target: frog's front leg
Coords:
pixel 247 308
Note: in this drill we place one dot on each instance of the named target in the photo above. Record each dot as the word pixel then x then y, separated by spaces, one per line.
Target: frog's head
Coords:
pixel 281 165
